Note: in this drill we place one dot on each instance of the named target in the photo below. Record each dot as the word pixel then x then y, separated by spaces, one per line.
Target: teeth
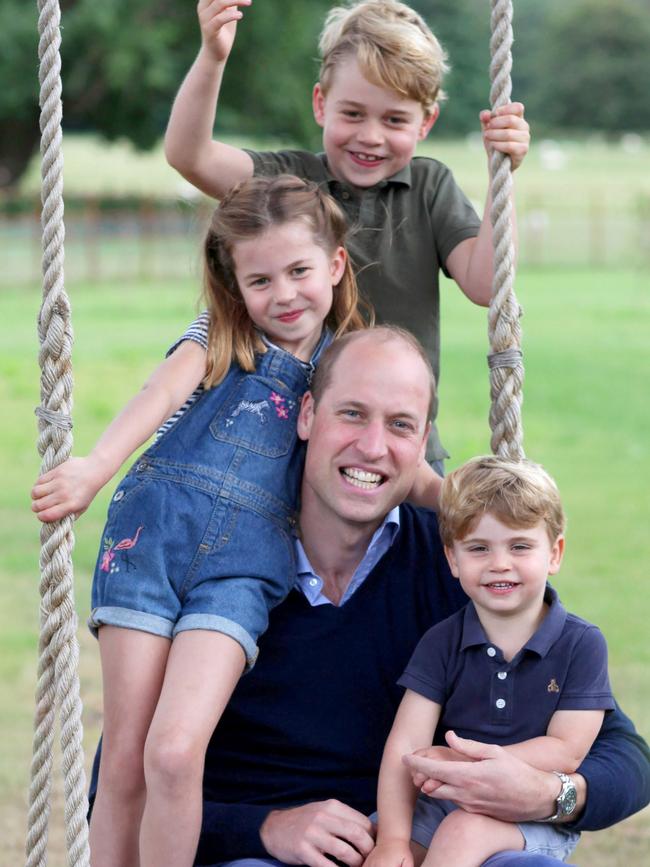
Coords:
pixel 501 585
pixel 371 158
pixel 362 478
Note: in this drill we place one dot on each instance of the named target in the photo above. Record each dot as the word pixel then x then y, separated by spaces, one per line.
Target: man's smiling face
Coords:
pixel 367 433
pixel 369 132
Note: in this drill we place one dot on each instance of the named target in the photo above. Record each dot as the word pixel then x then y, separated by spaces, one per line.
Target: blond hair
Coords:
pixel 518 493
pixel 380 333
pixel 393 46
pixel 247 211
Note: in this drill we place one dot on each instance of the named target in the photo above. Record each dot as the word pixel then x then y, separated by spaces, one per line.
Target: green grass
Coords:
pixel 586 417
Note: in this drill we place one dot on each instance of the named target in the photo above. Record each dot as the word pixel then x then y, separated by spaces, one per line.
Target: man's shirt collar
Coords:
pixel 311 585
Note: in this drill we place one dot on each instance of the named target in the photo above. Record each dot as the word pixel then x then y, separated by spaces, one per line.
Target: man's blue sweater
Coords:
pixel 310 721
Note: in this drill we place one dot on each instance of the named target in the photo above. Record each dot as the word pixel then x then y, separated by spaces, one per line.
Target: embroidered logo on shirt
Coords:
pixel 552 686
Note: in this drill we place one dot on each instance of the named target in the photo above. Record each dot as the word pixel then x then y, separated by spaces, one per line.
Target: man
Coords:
pixel 291 771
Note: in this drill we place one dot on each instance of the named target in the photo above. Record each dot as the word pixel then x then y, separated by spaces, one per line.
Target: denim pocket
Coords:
pixel 260 415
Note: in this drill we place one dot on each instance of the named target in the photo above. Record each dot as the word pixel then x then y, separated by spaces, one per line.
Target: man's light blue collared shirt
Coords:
pixel 311 584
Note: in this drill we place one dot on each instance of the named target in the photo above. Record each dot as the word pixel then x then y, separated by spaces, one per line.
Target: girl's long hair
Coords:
pixel 247 211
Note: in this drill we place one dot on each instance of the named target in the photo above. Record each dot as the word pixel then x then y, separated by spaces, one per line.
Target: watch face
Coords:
pixel 567 801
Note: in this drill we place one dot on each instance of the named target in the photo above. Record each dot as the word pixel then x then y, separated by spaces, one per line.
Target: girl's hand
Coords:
pixel 218 20
pixel 390 853
pixel 505 130
pixel 67 489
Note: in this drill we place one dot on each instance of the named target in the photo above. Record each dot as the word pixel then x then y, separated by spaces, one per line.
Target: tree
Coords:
pixel 123 61
pixel 591 65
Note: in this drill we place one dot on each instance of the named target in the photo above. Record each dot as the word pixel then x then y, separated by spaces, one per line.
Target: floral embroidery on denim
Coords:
pixel 254 407
pixel 110 547
pixel 282 405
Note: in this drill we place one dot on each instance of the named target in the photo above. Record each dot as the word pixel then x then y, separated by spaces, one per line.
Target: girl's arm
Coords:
pixel 71 487
pixel 413 728
pixel 568 739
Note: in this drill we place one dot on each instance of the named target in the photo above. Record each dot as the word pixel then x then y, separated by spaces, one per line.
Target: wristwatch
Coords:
pixel 565 802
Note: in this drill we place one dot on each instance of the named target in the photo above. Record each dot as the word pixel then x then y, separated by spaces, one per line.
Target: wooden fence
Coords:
pixel 147 239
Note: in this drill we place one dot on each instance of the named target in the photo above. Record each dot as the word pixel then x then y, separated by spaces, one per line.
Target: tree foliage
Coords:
pixel 579 65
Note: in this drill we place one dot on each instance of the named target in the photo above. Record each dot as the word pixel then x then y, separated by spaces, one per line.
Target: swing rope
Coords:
pixel 57 690
pixel 504 330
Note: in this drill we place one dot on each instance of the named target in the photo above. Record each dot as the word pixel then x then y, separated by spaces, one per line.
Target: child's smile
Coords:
pixel 369 132
pixel 286 279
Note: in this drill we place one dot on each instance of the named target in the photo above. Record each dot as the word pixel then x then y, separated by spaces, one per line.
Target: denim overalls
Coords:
pixel 199 533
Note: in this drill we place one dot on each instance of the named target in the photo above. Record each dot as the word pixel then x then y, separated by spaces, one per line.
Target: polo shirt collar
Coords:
pixel 540 642
pixel 401 178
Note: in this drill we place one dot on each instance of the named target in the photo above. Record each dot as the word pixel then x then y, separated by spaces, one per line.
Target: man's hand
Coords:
pixel 390 853
pixel 490 781
pixel 442 754
pixel 505 130
pixel 311 833
pixel 218 21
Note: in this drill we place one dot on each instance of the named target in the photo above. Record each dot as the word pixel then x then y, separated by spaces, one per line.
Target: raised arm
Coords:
pixel 71 487
pixel 212 166
pixel 414 726
pixel 470 263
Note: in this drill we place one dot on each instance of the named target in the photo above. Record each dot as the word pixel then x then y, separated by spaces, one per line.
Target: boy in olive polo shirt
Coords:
pixel 377 97
pixel 512 668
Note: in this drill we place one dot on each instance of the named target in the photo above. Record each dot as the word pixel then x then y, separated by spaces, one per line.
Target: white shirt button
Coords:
pixel 502 675
pixel 491 651
pixel 313 582
pixel 118 496
pixel 500 703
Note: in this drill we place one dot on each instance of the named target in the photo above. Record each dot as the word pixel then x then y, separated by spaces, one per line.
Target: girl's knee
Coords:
pixel 172 761
pixel 121 771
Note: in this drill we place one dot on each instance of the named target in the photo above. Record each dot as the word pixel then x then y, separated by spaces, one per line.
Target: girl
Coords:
pixel 197 547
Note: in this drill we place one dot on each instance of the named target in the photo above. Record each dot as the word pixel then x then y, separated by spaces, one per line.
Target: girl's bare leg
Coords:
pixel 133 666
pixel 468 839
pixel 202 671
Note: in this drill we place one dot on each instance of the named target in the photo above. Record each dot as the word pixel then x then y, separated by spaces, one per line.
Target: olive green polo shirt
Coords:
pixel 401 232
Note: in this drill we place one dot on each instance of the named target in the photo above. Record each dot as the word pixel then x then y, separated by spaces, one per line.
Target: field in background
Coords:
pixel 129 216
pixel 586 417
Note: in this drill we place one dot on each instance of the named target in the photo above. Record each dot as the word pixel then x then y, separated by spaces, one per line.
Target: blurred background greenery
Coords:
pixel 582 67
pixel 579 66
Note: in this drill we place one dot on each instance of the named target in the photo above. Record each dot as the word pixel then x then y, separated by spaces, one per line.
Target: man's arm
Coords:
pixel 300 835
pixel 212 166
pixel 470 263
pixel 612 783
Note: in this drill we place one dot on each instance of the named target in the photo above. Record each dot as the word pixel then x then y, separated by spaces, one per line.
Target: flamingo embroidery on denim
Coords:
pixel 110 548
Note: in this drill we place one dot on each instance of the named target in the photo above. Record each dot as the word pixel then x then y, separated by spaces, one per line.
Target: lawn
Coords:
pixel 586 417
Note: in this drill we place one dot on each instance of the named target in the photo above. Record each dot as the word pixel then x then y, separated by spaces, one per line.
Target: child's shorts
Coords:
pixel 540 838
pixel 176 556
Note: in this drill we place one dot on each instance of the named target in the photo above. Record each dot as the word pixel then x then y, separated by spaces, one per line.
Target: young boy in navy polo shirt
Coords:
pixel 511 668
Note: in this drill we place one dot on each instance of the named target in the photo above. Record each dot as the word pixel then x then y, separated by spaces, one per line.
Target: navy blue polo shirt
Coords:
pixel 563 666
